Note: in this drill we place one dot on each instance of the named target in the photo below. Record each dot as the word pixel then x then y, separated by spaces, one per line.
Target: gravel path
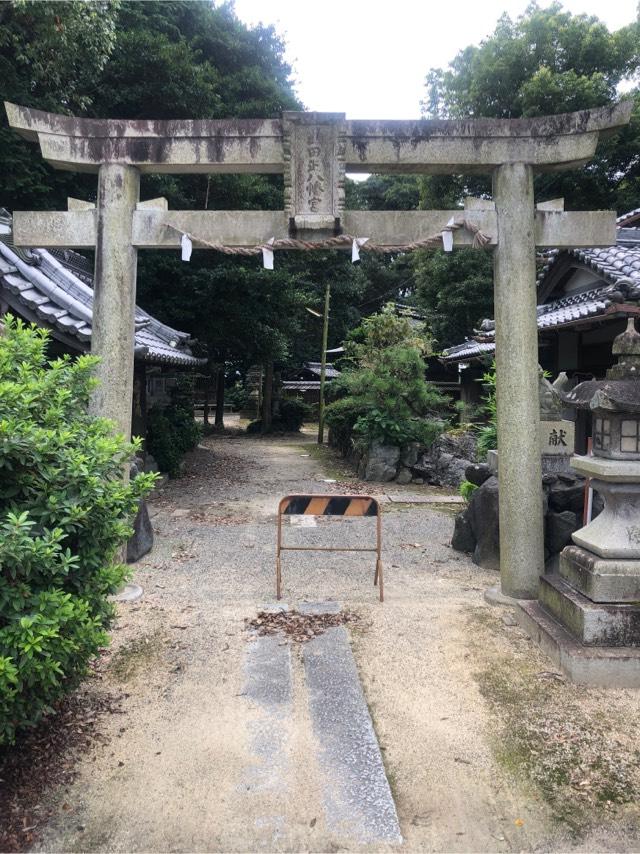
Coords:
pixel 197 764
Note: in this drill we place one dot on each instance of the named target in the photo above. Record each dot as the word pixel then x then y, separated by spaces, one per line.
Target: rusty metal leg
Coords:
pixel 378 576
pixel 278 554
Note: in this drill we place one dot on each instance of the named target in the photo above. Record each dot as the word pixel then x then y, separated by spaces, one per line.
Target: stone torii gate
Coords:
pixel 313 151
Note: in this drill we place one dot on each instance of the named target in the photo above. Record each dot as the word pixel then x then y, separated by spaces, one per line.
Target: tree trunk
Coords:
pixel 220 397
pixel 266 397
pixel 205 407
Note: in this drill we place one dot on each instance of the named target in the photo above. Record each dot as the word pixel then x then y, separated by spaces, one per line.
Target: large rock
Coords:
pixel 142 540
pixel 477 473
pixel 463 539
pixel 558 530
pixel 381 462
pixel 446 461
pixel 566 496
pixel 404 477
pixel 409 455
pixel 483 517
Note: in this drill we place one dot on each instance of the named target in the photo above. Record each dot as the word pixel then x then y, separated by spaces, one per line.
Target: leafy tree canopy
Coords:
pixel 547 61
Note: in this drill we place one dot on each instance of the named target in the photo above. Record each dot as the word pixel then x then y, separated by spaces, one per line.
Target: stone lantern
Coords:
pixel 615 464
pixel 596 595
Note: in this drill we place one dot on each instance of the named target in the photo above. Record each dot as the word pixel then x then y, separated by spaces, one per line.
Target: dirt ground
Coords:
pixel 486 747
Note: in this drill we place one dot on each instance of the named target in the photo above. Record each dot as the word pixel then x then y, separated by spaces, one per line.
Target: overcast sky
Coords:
pixel 368 58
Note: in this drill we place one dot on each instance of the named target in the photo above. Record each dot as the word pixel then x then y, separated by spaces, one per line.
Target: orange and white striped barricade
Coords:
pixel 331 505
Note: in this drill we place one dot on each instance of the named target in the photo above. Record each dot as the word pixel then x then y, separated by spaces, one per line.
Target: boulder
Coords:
pixel 409 455
pixel 381 462
pixel 477 473
pixel 404 476
pixel 566 496
pixel 455 472
pixel 558 530
pixel 142 540
pixel 463 539
pixel 445 462
pixel 483 517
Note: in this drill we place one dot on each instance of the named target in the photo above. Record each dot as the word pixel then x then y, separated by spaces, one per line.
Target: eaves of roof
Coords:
pixel 38 285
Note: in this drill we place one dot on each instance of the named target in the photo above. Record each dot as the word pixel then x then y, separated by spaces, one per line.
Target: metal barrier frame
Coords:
pixel 284 502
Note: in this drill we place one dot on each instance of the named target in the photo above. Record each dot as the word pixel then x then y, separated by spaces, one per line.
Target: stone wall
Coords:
pixel 443 464
pixel 477 530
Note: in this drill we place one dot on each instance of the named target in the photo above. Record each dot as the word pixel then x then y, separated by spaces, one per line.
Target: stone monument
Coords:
pixel 594 601
pixel 556 434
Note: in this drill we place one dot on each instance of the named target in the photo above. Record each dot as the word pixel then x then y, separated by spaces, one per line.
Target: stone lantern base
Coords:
pixel 587 617
pixel 598 666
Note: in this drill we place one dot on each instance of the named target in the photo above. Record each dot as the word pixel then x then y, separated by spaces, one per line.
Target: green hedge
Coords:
pixel 64 513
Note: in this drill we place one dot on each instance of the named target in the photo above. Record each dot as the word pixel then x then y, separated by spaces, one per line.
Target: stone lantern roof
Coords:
pixel 620 390
pixel 615 403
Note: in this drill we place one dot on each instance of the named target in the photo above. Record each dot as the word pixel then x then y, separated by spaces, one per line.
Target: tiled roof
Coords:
pixel 316 367
pixel 570 308
pixel 628 218
pixel 618 266
pixel 301 385
pixel 469 349
pixel 44 287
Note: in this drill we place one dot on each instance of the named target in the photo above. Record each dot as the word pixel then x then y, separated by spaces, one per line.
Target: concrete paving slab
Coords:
pixel 412 498
pixel 328 607
pixel 269 686
pixel 358 802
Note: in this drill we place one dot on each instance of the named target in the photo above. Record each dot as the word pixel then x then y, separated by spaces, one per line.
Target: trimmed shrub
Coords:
pixel 293 413
pixel 64 513
pixel 173 430
pixel 237 396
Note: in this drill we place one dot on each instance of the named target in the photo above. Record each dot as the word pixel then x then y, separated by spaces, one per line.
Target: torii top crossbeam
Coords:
pixel 313 151
pixel 263 145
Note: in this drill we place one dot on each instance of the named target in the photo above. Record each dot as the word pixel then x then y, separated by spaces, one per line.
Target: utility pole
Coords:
pixel 323 362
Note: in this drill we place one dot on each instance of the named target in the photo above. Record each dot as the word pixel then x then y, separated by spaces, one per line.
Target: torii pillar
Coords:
pixel 313 151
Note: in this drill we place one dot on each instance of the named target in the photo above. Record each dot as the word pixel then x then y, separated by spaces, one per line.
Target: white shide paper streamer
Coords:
pixel 447 238
pixel 267 256
pixel 187 246
pixel 355 248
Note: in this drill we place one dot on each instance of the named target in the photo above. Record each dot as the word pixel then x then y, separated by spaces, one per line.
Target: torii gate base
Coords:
pixel 313 151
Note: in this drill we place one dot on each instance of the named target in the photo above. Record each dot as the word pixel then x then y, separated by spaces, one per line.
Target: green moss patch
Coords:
pixel 575 746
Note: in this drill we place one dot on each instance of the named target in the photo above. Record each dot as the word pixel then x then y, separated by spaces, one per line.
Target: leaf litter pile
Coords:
pixel 45 758
pixel 299 627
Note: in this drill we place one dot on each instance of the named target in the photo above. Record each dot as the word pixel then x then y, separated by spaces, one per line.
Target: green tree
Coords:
pixel 547 61
pixel 456 291
pixel 50 56
pixel 382 394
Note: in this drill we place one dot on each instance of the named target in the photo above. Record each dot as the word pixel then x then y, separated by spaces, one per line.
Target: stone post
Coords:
pixel 114 301
pixel 521 520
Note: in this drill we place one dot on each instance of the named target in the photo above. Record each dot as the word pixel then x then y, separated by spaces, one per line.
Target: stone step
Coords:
pixel 358 801
pixel 591 623
pixel 601 579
